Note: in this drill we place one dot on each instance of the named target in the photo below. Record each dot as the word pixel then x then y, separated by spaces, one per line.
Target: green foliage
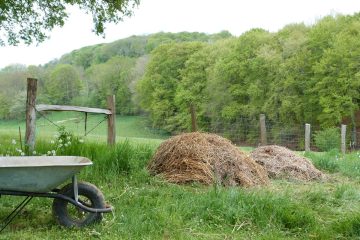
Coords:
pixel 157 89
pixel 158 39
pixel 18 106
pixel 112 78
pixel 63 85
pixel 13 91
pixel 299 74
pixel 29 21
pixel 328 139
pixel 296 75
pixel 338 71
pixel 5 104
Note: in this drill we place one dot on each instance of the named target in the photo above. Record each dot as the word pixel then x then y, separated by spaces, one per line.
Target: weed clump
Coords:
pixel 205 158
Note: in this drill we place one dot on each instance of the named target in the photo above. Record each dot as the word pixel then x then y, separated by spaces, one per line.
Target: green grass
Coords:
pixel 147 207
pixel 133 128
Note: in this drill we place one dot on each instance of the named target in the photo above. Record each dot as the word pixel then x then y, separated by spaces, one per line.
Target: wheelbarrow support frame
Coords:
pixel 53 194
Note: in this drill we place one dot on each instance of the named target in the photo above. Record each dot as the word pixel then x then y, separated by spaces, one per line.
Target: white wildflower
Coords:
pixel 48 153
pixel 22 154
pixel 60 140
pixel 68 138
pixel 34 152
pixel 52 141
pixel 13 141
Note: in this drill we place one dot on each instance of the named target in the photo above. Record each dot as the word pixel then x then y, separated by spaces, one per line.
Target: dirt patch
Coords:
pixel 205 158
pixel 282 163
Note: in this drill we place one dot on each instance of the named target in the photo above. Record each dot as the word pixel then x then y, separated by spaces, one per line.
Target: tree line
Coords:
pixel 299 74
pixel 86 76
pixel 295 75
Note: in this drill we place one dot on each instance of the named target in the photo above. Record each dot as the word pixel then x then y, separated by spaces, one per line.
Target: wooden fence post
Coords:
pixel 30 115
pixel 263 138
pixel 307 137
pixel 111 120
pixel 193 118
pixel 343 138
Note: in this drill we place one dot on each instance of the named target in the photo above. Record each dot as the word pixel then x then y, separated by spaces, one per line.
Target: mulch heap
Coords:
pixel 205 158
pixel 282 163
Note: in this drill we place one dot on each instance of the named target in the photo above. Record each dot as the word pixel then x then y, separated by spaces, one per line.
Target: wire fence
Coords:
pixel 242 132
pixel 248 133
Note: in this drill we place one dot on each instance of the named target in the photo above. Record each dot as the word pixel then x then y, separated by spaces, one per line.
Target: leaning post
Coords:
pixel 111 120
pixel 30 115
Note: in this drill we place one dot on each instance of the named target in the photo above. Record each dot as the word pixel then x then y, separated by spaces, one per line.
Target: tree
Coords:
pixel 240 79
pixel 288 101
pixel 192 89
pixel 157 89
pixel 338 77
pixel 112 77
pixel 29 20
pixel 63 85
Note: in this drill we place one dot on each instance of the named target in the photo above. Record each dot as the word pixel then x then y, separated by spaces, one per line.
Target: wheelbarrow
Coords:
pixel 77 204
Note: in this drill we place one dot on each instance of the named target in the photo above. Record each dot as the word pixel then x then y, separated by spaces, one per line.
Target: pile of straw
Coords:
pixel 282 163
pixel 205 158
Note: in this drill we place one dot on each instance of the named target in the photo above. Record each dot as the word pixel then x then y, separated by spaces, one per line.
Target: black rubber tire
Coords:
pixel 61 208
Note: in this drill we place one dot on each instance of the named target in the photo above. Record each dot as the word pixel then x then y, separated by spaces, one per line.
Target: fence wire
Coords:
pixel 246 132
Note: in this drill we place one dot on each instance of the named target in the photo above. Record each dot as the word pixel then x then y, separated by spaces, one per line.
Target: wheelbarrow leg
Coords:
pixel 76 189
pixel 15 212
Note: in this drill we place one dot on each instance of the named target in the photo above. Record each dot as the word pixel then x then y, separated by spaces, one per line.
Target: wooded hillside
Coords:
pixel 296 75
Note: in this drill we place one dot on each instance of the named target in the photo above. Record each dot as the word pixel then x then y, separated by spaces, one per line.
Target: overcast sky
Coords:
pixel 151 16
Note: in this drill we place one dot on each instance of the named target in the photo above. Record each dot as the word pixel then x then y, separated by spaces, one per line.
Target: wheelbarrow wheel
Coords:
pixel 69 215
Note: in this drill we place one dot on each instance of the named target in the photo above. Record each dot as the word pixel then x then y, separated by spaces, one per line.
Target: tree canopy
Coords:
pixel 300 74
pixel 29 21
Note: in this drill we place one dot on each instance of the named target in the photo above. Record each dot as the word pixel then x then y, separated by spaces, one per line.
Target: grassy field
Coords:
pixel 147 207
pixel 133 128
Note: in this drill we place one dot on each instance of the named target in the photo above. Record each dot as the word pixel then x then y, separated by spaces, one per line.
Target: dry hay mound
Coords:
pixel 205 158
pixel 282 163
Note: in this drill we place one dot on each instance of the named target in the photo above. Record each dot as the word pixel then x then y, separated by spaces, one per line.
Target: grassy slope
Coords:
pixel 149 208
pixel 127 127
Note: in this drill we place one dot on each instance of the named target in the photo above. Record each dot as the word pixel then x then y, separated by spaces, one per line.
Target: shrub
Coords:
pixel 327 139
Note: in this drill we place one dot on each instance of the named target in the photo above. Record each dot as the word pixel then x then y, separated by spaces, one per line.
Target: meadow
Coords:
pixel 147 207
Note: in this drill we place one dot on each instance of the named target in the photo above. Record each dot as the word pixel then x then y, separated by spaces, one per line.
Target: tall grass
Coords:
pixel 334 161
pixel 147 207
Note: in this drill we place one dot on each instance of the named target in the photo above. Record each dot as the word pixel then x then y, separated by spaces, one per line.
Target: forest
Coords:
pixel 299 74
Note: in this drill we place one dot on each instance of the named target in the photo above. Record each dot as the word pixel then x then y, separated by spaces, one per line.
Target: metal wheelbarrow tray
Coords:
pixel 77 204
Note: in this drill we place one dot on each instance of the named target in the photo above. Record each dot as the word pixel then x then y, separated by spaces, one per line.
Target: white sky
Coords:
pixel 209 16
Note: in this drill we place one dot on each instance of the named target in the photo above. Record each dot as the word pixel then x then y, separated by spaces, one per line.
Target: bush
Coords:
pixel 328 139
